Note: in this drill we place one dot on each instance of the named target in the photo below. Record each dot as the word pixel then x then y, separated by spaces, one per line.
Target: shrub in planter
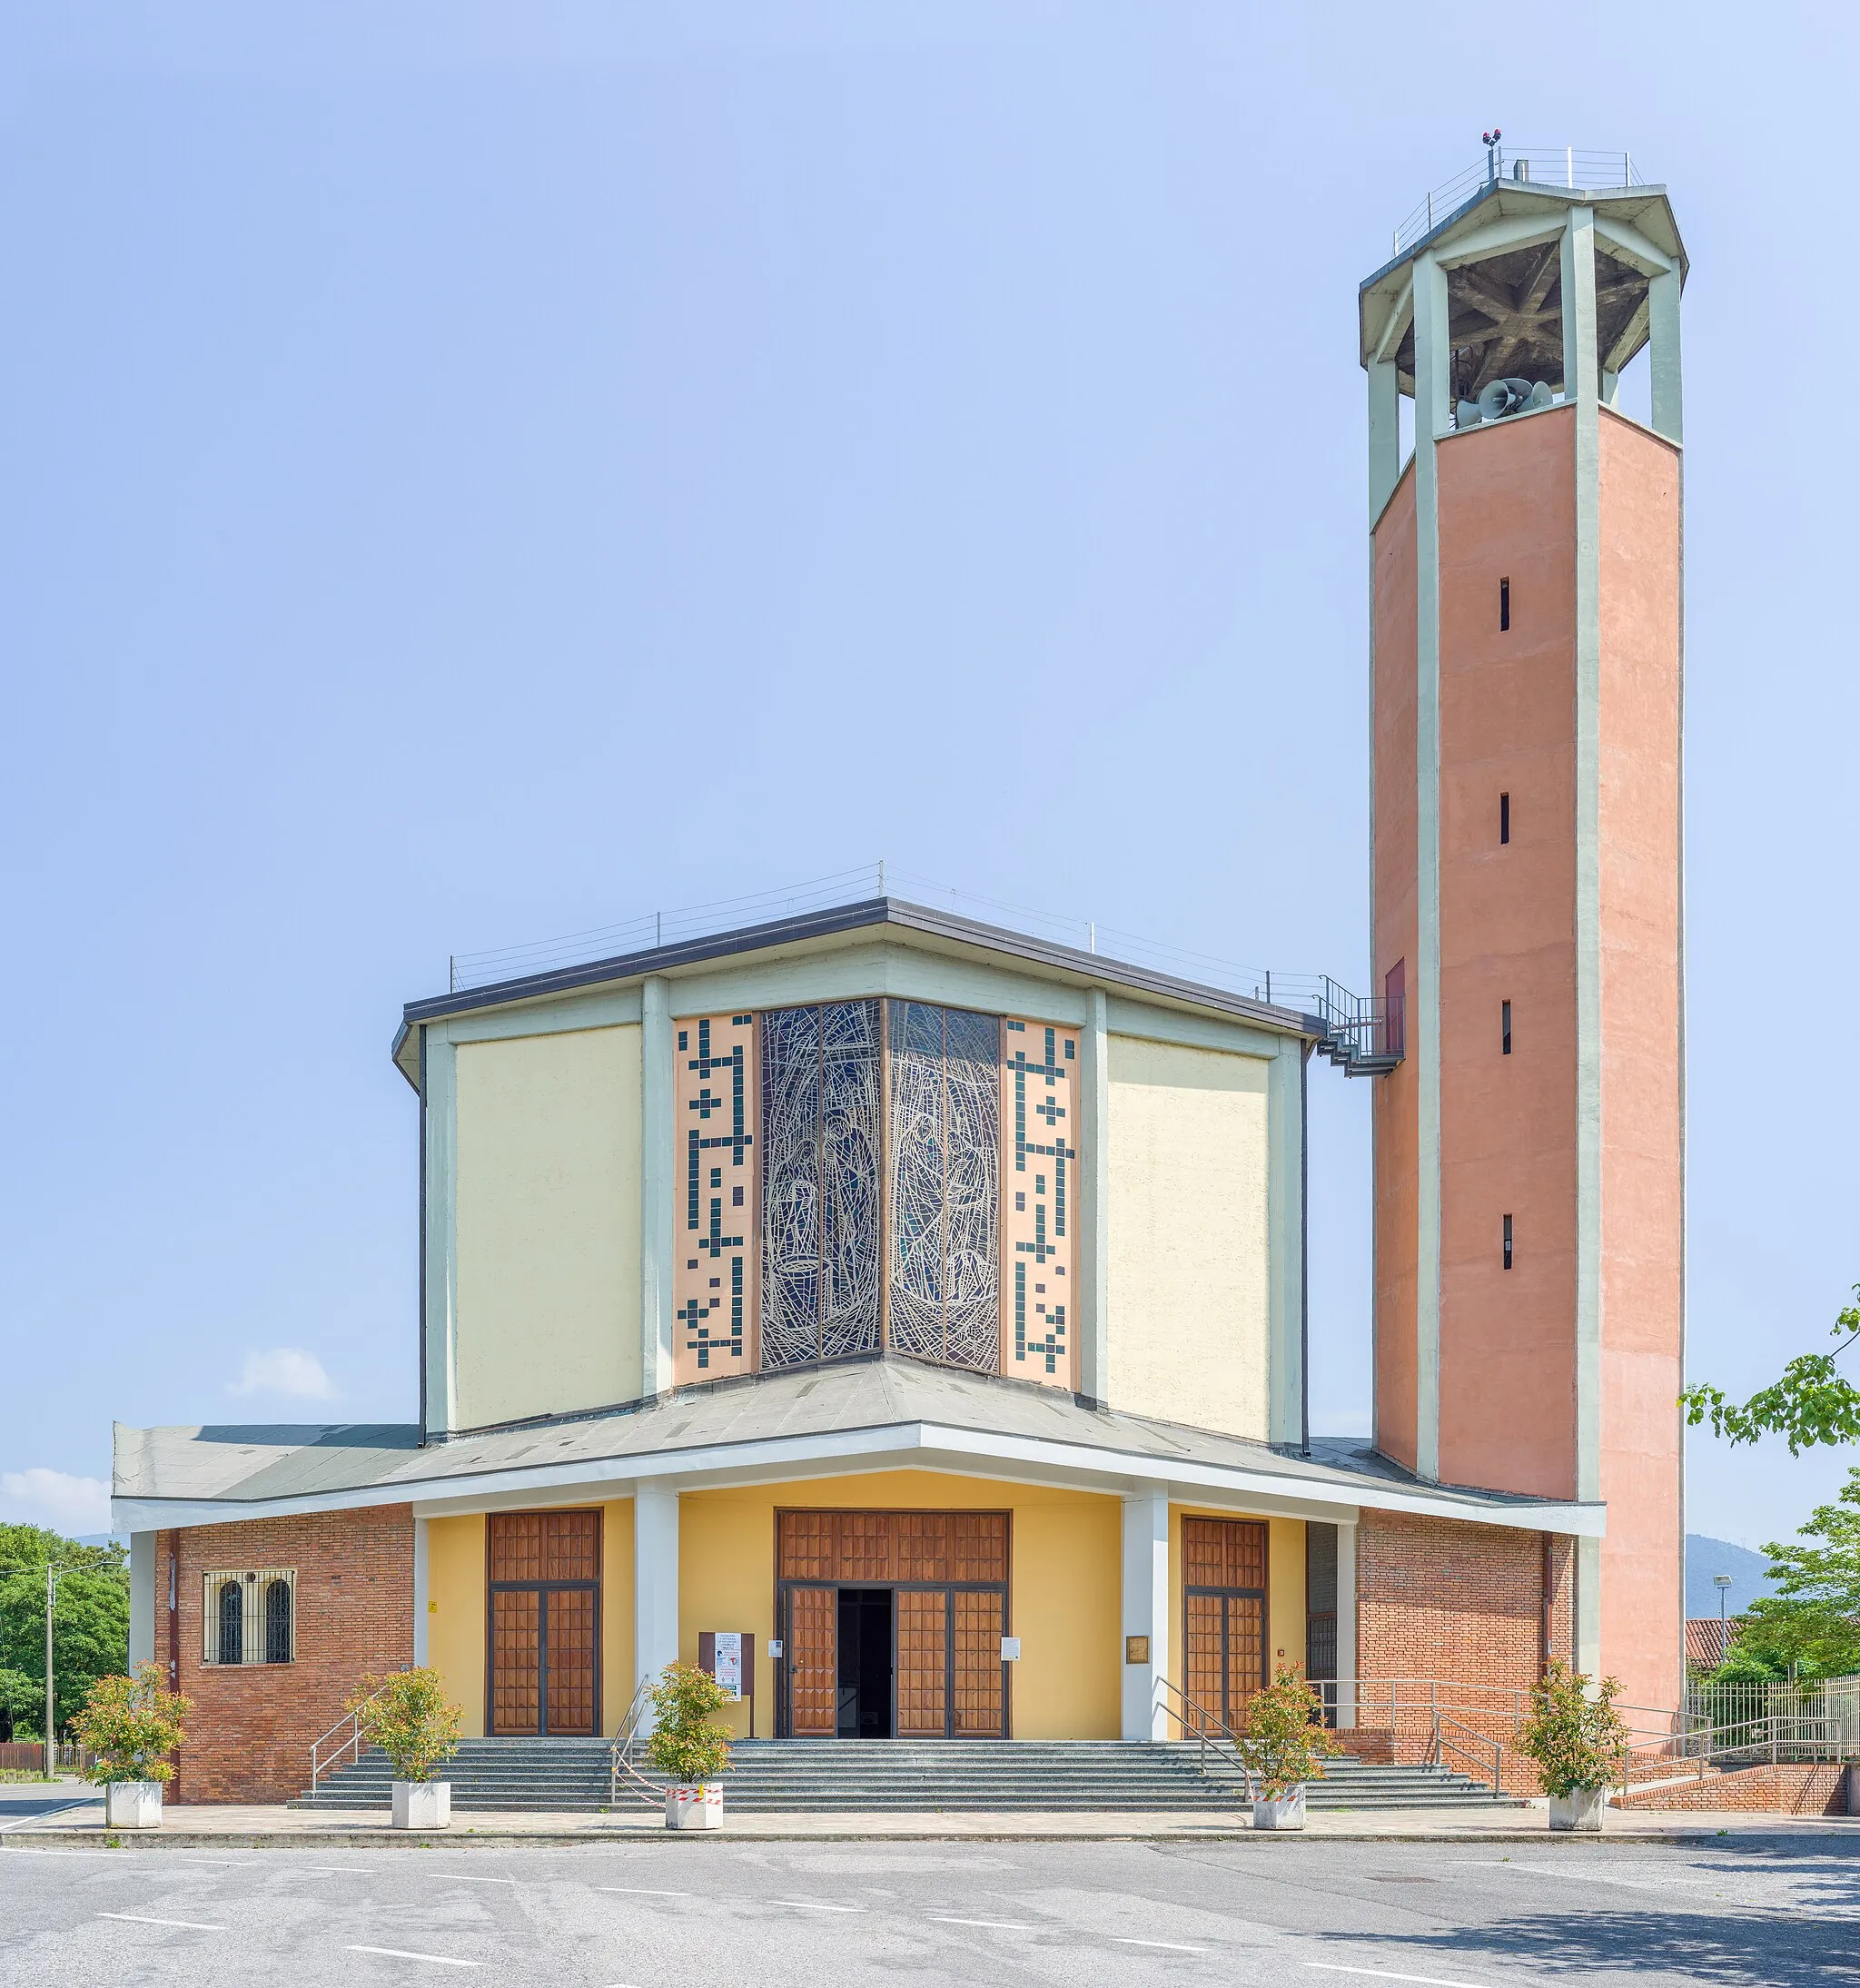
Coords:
pixel 1285 1744
pixel 686 1747
pixel 129 1725
pixel 408 1717
pixel 1578 1742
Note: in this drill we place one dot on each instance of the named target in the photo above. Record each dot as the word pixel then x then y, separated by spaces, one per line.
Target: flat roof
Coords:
pixel 1065 963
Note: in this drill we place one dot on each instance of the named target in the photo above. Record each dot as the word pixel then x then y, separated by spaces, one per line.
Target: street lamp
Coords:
pixel 1722 1582
pixel 51 1728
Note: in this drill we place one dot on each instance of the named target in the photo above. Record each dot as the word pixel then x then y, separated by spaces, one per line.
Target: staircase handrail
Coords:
pixel 620 1753
pixel 353 1720
pixel 1209 1729
pixel 1443 1745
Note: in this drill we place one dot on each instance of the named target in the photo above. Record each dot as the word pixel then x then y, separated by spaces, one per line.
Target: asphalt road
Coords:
pixel 1310 1914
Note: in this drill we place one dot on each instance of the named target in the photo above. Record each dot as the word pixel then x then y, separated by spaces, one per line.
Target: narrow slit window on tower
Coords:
pixel 1508 1243
pixel 1504 607
pixel 1505 1026
pixel 1504 817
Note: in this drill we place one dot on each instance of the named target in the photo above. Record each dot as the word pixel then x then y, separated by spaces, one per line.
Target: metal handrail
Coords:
pixel 619 1758
pixel 1442 1745
pixel 353 1719
pixel 1527 165
pixel 1208 1729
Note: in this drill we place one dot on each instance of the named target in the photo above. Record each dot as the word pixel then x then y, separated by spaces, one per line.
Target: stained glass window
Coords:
pixel 820 1146
pixel 944 1294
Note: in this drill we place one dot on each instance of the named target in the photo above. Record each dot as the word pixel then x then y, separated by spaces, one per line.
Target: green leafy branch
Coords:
pixel 1810 1404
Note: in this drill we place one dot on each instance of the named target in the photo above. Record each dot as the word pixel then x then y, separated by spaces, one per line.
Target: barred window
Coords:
pixel 250 1616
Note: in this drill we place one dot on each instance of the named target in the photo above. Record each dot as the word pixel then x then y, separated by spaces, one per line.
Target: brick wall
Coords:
pixel 250 1735
pixel 1784 1790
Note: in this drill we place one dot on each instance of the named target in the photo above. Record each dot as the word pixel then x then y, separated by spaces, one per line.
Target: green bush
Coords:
pixel 408 1717
pixel 1282 1736
pixel 131 1725
pixel 683 1744
pixel 1577 1739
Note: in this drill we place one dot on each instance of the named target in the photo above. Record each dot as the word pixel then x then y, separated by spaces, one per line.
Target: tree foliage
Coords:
pixel 131 1725
pixel 684 1744
pixel 1811 1625
pixel 89 1627
pixel 1810 1404
pixel 408 1717
pixel 1281 1734
pixel 1574 1734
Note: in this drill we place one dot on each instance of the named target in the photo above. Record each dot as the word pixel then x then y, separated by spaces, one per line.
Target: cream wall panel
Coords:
pixel 1189 1331
pixel 548 1201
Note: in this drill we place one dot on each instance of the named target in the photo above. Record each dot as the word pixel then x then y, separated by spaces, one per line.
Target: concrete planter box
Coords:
pixel 1286 1812
pixel 422 1805
pixel 1580 1809
pixel 694 1807
pixel 132 1804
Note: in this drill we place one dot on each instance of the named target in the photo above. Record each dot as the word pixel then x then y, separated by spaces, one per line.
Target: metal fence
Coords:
pixel 1539 166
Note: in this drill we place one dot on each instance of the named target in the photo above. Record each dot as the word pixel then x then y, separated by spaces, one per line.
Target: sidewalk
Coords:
pixel 286 1828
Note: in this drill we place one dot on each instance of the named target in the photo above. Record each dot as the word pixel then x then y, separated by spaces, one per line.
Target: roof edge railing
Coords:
pixel 1566 166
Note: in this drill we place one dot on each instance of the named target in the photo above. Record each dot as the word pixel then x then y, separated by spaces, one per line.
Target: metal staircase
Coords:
pixel 1363 1036
pixel 812 1776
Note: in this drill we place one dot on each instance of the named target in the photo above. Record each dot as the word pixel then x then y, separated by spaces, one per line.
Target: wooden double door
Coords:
pixel 544 1669
pixel 891 1625
pixel 1224 1565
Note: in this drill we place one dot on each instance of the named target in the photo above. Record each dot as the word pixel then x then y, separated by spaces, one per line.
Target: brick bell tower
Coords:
pixel 1526 919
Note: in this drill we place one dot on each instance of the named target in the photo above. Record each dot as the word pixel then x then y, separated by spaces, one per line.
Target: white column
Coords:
pixel 438 1063
pixel 1585 1607
pixel 656 1229
pixel 1146 1610
pixel 1346 1625
pixel 1285 1243
pixel 1385 434
pixel 422 1592
pixel 141 1598
pixel 1663 360
pixel 655 1580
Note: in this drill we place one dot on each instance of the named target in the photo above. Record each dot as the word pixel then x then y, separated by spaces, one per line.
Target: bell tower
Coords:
pixel 1526 917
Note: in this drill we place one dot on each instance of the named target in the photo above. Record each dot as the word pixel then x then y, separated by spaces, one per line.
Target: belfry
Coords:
pixel 1526 912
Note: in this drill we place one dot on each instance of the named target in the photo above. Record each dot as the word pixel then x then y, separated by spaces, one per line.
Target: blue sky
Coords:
pixel 472 473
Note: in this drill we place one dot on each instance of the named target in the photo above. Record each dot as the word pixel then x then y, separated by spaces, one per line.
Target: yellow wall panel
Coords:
pixel 548 1143
pixel 1188 1336
pixel 455 1618
pixel 1062 1601
pixel 618 1680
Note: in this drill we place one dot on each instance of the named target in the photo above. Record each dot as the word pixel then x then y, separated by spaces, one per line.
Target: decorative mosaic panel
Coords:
pixel 943 1297
pixel 715 1109
pixel 820 1146
pixel 1039 1185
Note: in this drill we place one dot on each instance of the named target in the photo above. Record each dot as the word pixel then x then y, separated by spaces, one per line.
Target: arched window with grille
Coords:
pixel 277 1620
pixel 249 1615
pixel 231 1622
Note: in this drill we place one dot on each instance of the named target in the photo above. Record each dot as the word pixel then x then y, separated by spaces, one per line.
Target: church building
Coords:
pixel 914 1309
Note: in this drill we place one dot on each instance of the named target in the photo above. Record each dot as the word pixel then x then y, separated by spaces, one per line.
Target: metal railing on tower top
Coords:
pixel 1542 165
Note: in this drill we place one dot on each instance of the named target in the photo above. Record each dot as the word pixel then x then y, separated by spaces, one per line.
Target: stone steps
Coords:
pixel 822 1776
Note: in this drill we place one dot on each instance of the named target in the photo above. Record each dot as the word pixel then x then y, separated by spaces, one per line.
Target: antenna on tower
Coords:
pixel 1494 158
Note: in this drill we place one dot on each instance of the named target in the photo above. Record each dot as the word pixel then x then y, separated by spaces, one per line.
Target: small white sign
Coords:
pixel 774 1652
pixel 729 1661
pixel 1010 1649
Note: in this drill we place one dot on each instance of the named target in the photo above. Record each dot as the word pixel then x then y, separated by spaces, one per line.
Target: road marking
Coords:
pixel 1002 1925
pixel 471 1877
pixel 401 1953
pixel 641 1891
pixel 814 1905
pixel 1382 1973
pixel 1171 1947
pixel 142 1919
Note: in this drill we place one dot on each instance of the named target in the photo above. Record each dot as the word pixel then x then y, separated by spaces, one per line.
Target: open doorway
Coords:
pixel 864 1639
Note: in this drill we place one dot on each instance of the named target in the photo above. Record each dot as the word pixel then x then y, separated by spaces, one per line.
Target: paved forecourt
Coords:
pixel 1771 1906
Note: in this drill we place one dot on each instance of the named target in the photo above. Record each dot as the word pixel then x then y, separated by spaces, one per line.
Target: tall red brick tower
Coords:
pixel 1527 877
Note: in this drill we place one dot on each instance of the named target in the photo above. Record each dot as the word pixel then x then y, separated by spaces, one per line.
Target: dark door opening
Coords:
pixel 864 1662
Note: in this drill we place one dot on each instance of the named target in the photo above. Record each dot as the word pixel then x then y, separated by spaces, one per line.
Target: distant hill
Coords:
pixel 1706 1557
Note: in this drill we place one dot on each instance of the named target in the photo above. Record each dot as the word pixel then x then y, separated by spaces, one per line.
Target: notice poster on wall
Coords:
pixel 729 1672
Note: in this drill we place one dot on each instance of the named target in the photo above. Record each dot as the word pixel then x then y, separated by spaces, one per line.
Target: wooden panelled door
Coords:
pixel 948 1575
pixel 1223 1566
pixel 544 1674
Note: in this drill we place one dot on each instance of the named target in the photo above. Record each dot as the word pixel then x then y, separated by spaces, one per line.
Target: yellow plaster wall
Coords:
pixel 1188 1335
pixel 455 1614
pixel 1065 1573
pixel 548 1144
pixel 618 1680
pixel 1285 1596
